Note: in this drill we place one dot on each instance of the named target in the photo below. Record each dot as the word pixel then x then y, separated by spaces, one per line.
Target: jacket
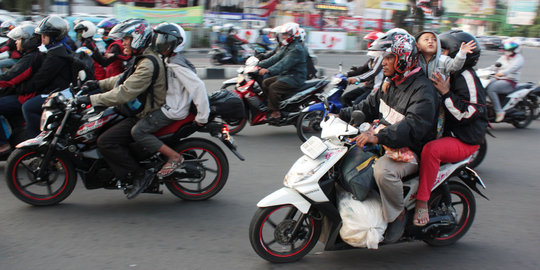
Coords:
pixel 54 73
pixel 409 111
pixel 183 87
pixel 511 67
pixel 444 64
pixel 99 71
pixel 113 65
pixel 134 85
pixel 289 64
pixel 465 108
pixel 370 72
pixel 23 70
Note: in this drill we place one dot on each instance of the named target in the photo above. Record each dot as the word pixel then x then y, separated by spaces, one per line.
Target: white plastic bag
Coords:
pixel 363 222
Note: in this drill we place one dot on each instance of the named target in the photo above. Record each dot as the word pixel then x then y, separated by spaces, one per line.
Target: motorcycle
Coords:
pixel 43 170
pixel 519 105
pixel 248 87
pixel 289 222
pixel 219 55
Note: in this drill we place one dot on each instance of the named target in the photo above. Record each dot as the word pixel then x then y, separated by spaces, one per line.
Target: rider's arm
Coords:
pixel 514 66
pixel 19 72
pixel 294 56
pixel 355 71
pixel 465 100
pixel 369 106
pixel 273 59
pixel 370 74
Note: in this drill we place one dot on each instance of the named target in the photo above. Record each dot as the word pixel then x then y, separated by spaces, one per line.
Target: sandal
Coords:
pixel 419 212
pixel 169 168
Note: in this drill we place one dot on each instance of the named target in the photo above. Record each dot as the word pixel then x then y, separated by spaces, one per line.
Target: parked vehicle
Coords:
pixel 289 222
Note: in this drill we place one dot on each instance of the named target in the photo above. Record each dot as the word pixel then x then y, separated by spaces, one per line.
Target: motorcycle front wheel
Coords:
pixel 463 207
pixel 236 125
pixel 309 124
pixel 203 178
pixel 22 170
pixel 271 233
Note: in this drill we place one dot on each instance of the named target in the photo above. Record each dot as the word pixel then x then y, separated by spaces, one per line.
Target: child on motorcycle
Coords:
pixel 114 57
pixel 85 34
pixel 183 87
pixel 463 100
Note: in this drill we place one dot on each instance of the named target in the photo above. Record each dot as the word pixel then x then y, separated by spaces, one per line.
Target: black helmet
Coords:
pixel 452 40
pixel 25 32
pixel 54 27
pixel 167 37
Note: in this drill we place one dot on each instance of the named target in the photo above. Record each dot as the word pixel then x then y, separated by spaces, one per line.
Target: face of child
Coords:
pixel 427 43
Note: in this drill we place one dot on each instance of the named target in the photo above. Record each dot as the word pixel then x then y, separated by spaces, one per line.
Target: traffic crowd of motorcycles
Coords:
pixel 326 196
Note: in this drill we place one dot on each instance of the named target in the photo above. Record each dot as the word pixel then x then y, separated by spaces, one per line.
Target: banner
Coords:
pixel 379 4
pixel 327 40
pixel 521 12
pixel 191 15
pixel 349 24
pixel 476 7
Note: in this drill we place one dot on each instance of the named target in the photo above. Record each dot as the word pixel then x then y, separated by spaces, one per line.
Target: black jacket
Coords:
pixel 23 70
pixel 55 73
pixel 465 108
pixel 408 110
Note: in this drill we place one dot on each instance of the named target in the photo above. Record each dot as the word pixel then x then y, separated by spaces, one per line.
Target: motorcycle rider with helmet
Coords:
pixel 27 43
pixel 407 113
pixel 232 42
pixel 507 75
pixel 114 143
pixel 8 46
pixel 184 87
pixel 288 68
pixel 85 34
pixel 114 57
pixel 464 102
pixel 55 72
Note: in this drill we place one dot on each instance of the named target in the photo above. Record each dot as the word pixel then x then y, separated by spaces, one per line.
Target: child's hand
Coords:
pixel 468 47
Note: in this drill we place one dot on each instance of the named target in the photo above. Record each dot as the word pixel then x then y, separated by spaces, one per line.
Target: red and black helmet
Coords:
pixel 404 49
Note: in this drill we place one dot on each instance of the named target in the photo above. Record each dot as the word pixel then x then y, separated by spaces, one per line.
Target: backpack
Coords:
pixel 228 105
pixel 137 105
pixel 81 60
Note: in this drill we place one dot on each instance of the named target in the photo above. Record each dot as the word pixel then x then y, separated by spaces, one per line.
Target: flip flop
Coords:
pixel 418 215
pixel 169 167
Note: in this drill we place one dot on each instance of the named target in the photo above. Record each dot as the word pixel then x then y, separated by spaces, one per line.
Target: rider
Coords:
pixel 507 75
pixel 114 143
pixel 408 108
pixel 11 81
pixel 288 67
pixel 274 37
pixel 8 46
pixel 85 34
pixel 114 57
pixel 464 102
pixel 184 87
pixel 231 43
pixel 263 38
pixel 55 72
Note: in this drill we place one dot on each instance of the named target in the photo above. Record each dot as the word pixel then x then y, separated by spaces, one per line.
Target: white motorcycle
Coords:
pixel 289 222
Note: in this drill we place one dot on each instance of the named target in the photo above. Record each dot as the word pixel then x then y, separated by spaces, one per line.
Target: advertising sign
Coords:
pixel 477 7
pixel 379 4
pixel 521 12
pixel 191 15
pixel 327 40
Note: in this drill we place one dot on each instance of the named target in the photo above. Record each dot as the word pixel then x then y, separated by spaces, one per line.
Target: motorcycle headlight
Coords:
pixel 46 118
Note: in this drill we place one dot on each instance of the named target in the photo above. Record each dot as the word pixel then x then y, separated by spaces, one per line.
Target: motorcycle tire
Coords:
pixel 272 226
pixel 236 126
pixel 21 172
pixel 528 109
pixel 196 181
pixel 464 203
pixel 215 60
pixel 478 156
pixel 309 124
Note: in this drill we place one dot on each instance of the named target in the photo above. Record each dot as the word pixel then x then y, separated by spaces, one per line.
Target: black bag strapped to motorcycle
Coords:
pixel 357 172
pixel 137 105
pixel 80 61
pixel 228 105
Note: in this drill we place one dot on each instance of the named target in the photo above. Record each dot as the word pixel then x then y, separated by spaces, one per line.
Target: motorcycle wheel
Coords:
pixel 464 205
pixel 478 156
pixel 236 126
pixel 528 109
pixel 309 124
pixel 215 60
pixel 269 233
pixel 199 180
pixel 21 177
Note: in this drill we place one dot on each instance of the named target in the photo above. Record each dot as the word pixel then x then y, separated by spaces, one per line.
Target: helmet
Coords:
pixel 7 26
pixel 138 29
pixel 451 40
pixel 264 31
pixel 54 27
pixel 168 37
pixel 108 24
pixel 25 32
pixel 404 49
pixel 302 34
pixel 384 42
pixel 291 29
pixel 511 45
pixel 86 29
pixel 372 36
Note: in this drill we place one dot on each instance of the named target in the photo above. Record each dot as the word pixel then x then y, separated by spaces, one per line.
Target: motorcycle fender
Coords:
pixel 37 141
pixel 472 180
pixel 284 196
pixel 229 82
pixel 315 107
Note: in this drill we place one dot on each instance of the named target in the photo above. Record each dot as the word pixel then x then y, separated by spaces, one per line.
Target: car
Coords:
pixel 493 43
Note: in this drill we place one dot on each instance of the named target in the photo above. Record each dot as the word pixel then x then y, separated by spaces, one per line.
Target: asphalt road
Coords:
pixel 100 229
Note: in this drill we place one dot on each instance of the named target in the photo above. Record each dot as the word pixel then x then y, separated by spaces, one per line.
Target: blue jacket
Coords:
pixel 289 64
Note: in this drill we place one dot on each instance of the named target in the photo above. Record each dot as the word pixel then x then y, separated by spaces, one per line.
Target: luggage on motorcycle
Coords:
pixel 81 60
pixel 227 105
pixel 357 172
pixel 363 222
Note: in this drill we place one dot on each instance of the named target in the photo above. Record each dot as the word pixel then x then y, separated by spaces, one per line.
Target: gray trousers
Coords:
pixel 388 174
pixel 498 87
pixel 143 131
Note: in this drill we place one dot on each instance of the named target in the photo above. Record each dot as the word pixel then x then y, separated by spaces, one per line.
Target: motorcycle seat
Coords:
pixel 520 86
pixel 172 128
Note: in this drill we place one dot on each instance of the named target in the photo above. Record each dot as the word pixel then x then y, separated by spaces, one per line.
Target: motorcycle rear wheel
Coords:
pixel 464 203
pixel 21 178
pixel 201 180
pixel 478 156
pixel 528 109
pixel 309 124
pixel 269 233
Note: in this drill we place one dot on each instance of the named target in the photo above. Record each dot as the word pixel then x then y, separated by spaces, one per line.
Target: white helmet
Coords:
pixel 291 29
pixel 86 29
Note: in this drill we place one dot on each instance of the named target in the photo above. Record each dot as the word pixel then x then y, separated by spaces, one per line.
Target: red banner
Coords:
pixel 349 24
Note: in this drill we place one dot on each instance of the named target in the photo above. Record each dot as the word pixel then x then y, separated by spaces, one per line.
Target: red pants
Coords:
pixel 447 149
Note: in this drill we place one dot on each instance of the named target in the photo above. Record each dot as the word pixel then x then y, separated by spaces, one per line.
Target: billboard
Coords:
pixel 380 4
pixel 477 7
pixel 521 12
pixel 190 15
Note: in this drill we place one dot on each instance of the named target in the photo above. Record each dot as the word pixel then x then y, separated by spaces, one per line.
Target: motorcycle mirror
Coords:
pixel 357 118
pixel 498 64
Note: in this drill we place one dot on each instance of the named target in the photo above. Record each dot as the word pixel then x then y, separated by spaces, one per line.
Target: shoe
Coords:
pixel 140 184
pixel 499 116
pixel 395 229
